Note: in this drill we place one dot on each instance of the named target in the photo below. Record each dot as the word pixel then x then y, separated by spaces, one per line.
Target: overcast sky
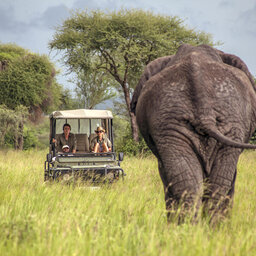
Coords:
pixel 31 23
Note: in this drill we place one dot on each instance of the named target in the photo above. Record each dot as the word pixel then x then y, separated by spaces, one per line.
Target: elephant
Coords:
pixel 196 111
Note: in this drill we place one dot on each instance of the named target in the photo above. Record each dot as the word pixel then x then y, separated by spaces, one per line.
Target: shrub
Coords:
pixel 9 139
pixel 127 145
pixel 30 138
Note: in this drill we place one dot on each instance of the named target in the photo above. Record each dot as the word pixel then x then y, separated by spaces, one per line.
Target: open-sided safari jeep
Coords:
pixel 84 164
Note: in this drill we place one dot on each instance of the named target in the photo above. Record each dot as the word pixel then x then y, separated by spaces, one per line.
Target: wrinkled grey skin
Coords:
pixel 196 111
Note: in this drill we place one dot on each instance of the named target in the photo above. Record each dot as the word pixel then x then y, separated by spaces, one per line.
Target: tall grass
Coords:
pixel 127 218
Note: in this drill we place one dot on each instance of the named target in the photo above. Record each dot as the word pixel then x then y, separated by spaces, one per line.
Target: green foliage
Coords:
pixel 126 218
pixel 119 109
pixel 36 136
pixel 124 40
pixel 253 138
pixel 10 52
pixel 8 140
pixel 120 43
pixel 12 123
pixel 67 101
pixel 30 138
pixel 7 120
pixel 27 79
pixel 42 133
pixel 119 127
pixel 17 132
pixel 125 143
pixel 93 89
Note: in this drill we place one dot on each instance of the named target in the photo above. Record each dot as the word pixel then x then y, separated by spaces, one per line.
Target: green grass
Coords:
pixel 127 218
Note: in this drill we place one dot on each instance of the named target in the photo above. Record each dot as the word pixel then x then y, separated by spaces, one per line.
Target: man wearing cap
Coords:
pixel 66 138
pixel 100 143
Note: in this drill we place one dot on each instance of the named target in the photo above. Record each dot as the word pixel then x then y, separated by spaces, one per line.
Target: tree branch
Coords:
pixel 113 69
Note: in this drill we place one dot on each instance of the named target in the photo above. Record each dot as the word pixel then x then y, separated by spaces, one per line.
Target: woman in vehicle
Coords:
pixel 100 143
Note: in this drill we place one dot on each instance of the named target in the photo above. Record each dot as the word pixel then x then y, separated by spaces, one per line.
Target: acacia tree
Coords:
pixel 120 44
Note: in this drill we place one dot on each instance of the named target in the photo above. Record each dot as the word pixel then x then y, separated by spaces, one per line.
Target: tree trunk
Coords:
pixel 134 126
pixel 135 130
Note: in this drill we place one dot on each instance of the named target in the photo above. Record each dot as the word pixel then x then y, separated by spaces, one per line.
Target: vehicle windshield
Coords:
pixel 82 126
pixel 84 130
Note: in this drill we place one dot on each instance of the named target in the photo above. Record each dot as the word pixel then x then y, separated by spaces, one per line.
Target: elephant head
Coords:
pixel 196 111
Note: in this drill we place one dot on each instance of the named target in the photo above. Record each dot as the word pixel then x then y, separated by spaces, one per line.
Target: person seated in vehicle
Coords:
pixel 100 143
pixel 66 138
pixel 65 149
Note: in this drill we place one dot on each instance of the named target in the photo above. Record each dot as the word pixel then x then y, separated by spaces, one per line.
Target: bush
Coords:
pixel 33 136
pixel 30 138
pixel 37 136
pixel 9 139
pixel 127 145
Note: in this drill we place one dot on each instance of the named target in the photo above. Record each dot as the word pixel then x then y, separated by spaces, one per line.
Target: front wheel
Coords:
pixel 46 176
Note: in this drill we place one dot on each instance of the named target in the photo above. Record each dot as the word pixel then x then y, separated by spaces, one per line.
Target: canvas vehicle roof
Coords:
pixel 82 113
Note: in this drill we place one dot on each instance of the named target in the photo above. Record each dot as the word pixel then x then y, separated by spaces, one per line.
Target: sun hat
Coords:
pixel 99 128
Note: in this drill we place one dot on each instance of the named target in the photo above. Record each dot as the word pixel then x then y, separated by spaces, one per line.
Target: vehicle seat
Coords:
pixel 82 143
pixel 92 136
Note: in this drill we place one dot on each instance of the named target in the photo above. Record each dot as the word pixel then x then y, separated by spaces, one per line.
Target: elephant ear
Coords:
pixel 150 70
pixel 236 62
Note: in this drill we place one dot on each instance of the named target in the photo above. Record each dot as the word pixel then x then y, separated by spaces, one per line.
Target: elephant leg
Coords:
pixel 182 176
pixel 220 185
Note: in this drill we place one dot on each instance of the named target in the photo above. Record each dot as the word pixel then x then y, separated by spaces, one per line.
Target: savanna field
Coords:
pixel 126 218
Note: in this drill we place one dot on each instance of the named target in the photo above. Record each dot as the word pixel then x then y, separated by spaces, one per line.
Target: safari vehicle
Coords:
pixel 83 164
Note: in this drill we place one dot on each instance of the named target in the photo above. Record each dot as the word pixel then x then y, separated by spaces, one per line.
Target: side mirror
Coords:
pixel 121 156
pixel 49 157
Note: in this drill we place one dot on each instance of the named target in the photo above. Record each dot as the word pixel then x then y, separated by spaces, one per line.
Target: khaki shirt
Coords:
pixel 96 140
pixel 71 142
